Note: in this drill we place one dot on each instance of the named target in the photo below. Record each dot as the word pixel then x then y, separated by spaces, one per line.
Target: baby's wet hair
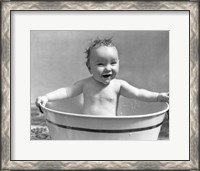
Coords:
pixel 94 44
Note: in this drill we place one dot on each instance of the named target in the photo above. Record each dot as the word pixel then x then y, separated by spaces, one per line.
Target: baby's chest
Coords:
pixel 105 95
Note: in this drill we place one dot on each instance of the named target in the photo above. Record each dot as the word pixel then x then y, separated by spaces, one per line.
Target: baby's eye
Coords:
pixel 113 63
pixel 99 64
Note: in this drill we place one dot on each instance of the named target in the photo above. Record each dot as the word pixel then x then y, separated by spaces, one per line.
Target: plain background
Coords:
pixel 58 58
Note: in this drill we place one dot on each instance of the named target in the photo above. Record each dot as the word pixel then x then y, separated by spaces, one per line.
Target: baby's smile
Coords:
pixel 107 75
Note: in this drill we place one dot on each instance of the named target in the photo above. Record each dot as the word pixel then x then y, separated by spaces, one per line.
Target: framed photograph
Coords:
pixel 149 45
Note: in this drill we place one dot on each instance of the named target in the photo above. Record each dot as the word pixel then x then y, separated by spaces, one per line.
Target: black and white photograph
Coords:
pixel 99 85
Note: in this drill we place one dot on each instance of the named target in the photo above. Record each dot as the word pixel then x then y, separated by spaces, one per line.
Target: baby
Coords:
pixel 101 90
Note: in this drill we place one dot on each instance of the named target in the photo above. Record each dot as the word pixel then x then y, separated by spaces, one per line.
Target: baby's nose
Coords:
pixel 108 68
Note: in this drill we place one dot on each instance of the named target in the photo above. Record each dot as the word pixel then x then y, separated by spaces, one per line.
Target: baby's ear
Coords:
pixel 89 68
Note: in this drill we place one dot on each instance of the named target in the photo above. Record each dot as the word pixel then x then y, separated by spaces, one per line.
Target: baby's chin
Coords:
pixel 104 81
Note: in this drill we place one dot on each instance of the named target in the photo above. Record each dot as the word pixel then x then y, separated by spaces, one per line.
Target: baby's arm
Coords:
pixel 130 91
pixel 61 93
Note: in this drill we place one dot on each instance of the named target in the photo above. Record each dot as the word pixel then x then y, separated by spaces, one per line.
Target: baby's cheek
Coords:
pixel 100 71
pixel 116 72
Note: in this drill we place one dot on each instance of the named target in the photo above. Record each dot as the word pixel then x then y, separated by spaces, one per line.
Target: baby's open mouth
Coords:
pixel 106 75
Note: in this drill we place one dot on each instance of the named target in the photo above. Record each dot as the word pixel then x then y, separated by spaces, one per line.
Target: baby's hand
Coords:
pixel 163 97
pixel 42 100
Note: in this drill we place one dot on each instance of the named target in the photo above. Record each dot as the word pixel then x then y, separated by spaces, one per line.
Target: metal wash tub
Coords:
pixel 65 122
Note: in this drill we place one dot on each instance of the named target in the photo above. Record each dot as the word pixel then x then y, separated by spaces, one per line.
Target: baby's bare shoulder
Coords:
pixel 85 81
pixel 123 84
pixel 120 82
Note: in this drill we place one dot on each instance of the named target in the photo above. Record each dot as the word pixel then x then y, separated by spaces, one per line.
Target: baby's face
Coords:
pixel 104 64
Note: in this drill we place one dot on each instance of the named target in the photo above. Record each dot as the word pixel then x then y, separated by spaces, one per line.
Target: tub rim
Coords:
pixel 108 117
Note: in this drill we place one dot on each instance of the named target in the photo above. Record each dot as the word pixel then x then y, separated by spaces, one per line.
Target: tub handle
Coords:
pixel 40 109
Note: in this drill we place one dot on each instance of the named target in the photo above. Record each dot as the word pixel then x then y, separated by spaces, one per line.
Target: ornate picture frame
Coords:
pixel 6 12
